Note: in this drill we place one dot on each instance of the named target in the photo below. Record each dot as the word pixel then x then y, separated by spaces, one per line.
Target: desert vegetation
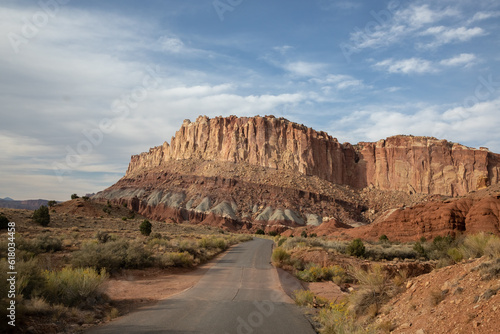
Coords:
pixel 63 266
pixel 369 285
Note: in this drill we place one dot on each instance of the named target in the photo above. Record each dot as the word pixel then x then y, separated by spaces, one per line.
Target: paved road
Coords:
pixel 240 294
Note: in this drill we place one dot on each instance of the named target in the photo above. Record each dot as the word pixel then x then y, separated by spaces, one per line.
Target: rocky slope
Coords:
pixel 247 173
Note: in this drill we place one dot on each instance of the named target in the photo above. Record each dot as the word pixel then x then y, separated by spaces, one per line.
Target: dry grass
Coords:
pixel 280 257
pixel 375 289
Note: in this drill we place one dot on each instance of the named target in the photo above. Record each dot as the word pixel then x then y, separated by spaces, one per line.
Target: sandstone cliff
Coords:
pixel 406 163
pixel 243 174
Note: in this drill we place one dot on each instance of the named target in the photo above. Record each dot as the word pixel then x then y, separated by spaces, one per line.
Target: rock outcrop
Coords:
pixel 245 173
pixel 405 163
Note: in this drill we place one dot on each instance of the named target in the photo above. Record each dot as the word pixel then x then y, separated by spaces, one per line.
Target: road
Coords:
pixel 241 294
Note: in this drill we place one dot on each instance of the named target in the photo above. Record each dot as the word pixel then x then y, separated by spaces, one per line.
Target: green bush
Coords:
pixel 145 227
pixel 273 233
pixel 74 196
pixel 303 234
pixel 419 249
pixel 303 297
pixel 213 243
pixel 176 259
pixel 73 287
pixel 112 256
pixel 356 248
pixel 41 215
pixel 51 203
pixel 260 232
pixel 4 222
pixel 383 238
pixel 280 257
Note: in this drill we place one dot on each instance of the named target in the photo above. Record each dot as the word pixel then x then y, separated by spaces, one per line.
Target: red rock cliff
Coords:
pixel 417 164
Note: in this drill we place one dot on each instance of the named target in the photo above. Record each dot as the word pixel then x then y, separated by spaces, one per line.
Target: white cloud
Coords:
pixel 304 69
pixel 444 35
pixel 475 125
pixel 466 59
pixel 406 66
pixel 283 49
pixel 171 44
pixel 480 16
pixel 404 22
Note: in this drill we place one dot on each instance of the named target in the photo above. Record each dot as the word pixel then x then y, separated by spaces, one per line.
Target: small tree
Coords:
pixel 356 248
pixel 146 227
pixel 303 234
pixel 260 231
pixel 74 196
pixel 51 203
pixel 4 222
pixel 41 215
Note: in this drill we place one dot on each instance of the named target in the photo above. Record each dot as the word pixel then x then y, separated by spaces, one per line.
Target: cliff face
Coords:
pixel 407 163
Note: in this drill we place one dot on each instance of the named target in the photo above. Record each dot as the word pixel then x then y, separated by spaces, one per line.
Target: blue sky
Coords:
pixel 86 84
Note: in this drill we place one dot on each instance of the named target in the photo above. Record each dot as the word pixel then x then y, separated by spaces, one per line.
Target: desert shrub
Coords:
pixel 112 256
pixel 51 203
pixel 303 297
pixel 315 273
pixel 389 251
pixel 356 248
pixel 439 247
pixel 492 248
pixel 176 259
pixel 145 227
pixel 303 234
pixel 72 287
pixel 489 270
pixel 313 235
pixel 29 279
pixel 281 241
pixel 213 243
pixel 455 254
pixel 312 273
pixel 125 219
pixel 41 244
pixel 291 243
pixel 102 237
pixel 85 198
pixel 74 196
pixel 4 222
pixel 47 243
pixel 260 232
pixel 158 243
pixel 37 306
pixel 475 245
pixel 273 233
pixel 383 238
pixel 336 319
pixel 280 257
pixel 437 296
pixel 419 249
pixel 41 215
pixel 375 289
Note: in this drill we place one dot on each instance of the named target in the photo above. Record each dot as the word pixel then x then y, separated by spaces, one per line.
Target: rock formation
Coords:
pixel 266 172
pixel 406 163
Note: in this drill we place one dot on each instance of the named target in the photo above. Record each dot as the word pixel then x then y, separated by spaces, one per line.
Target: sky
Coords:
pixel 86 84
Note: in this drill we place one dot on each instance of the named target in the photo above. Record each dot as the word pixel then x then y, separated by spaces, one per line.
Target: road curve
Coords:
pixel 240 294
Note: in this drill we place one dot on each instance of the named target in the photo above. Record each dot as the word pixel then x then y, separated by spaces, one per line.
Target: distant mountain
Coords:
pixel 31 204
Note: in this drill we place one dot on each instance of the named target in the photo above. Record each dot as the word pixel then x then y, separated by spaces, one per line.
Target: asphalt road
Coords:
pixel 240 294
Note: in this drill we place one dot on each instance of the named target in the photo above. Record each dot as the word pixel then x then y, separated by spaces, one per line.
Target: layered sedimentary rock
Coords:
pixel 407 163
pixel 266 172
